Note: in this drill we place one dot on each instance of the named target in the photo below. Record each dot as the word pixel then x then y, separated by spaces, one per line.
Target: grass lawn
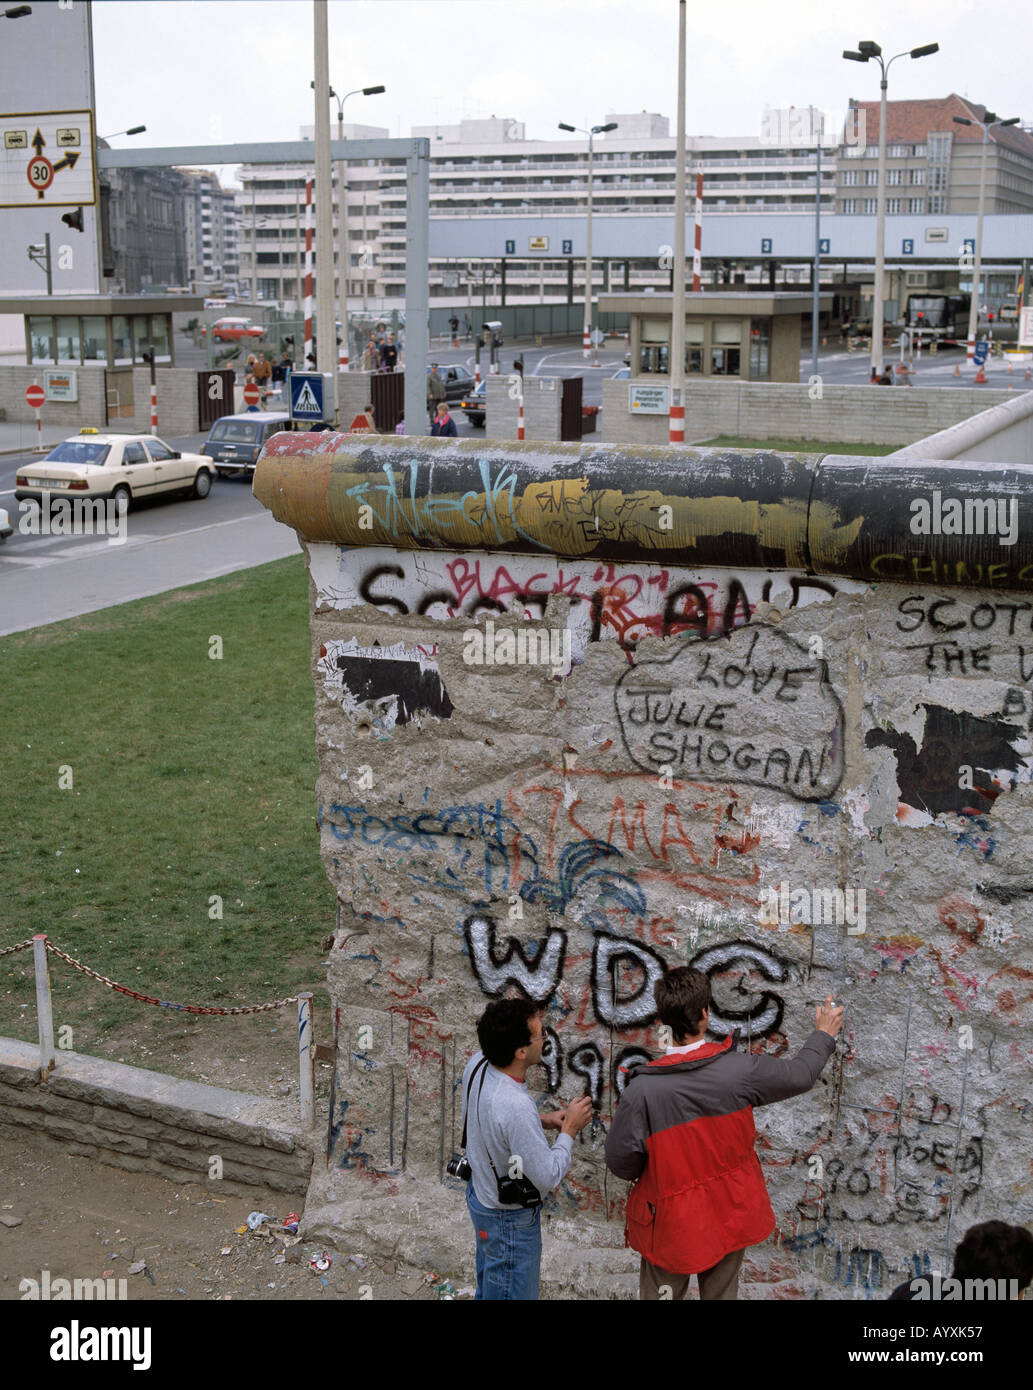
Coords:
pixel 796 446
pixel 190 778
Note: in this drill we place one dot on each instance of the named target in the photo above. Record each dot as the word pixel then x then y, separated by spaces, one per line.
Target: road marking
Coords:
pixel 99 545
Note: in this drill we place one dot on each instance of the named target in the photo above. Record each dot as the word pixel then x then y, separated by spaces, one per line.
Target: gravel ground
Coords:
pixel 83 1220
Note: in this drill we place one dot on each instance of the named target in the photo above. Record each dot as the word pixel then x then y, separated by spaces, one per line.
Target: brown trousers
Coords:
pixel 719 1282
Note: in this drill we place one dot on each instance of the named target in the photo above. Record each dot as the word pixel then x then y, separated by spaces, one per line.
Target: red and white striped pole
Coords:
pixel 520 419
pixel 305 366
pixel 697 250
pixel 154 408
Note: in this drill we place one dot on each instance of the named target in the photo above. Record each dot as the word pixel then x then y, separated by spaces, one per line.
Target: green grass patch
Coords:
pixel 797 446
pixel 190 778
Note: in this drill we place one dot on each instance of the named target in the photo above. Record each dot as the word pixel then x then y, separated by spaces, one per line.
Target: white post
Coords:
pixel 973 311
pixel 365 257
pixel 306 1061
pixel 880 234
pixel 343 254
pixel 44 1011
pixel 676 364
pixel 326 336
pixel 588 256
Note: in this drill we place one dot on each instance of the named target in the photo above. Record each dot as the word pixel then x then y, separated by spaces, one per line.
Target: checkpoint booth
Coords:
pixel 736 335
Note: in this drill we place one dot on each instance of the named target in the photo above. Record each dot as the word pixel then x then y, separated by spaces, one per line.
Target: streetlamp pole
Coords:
pixel 588 254
pixel 977 265
pixel 676 366
pixel 326 353
pixel 866 50
pixel 815 307
pixel 342 276
pixel 595 130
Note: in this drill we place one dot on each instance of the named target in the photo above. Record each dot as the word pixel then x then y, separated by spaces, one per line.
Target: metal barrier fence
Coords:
pixel 42 949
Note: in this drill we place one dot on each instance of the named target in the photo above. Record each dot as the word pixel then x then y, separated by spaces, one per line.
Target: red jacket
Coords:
pixel 683 1132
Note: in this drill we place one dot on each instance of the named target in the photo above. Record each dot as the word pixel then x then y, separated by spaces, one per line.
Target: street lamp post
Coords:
pixel 343 254
pixel 595 130
pixel 867 50
pixel 676 365
pixel 973 311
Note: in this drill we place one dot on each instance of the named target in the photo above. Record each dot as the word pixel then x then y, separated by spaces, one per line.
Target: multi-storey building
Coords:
pixel 933 161
pixel 488 168
pixel 211 231
pixel 143 228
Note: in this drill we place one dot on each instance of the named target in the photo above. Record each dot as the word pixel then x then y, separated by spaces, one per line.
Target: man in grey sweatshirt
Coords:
pixel 505 1141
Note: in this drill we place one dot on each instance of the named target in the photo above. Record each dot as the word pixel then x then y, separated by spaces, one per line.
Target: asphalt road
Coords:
pixel 167 544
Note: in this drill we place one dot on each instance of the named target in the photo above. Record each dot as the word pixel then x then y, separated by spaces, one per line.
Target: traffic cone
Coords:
pixel 1029 373
pixel 957 368
pixel 980 377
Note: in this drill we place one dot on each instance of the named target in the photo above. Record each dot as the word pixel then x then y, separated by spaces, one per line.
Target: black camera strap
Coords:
pixel 469 1086
pixel 484 1142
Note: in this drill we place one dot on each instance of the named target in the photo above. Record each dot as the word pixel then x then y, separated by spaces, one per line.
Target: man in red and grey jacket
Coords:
pixel 683 1133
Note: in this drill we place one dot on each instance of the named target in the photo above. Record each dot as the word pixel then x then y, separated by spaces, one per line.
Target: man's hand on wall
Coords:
pixel 578 1114
pixel 828 1017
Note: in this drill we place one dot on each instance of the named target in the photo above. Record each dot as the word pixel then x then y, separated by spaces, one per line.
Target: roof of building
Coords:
pixel 911 123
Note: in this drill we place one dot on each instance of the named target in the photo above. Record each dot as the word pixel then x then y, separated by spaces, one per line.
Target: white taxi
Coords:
pixel 119 466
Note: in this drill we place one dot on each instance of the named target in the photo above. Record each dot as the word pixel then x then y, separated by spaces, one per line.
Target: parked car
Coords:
pixel 234 330
pixel 622 374
pixel 91 464
pixel 475 402
pixel 458 382
pixel 235 441
pixel 6 528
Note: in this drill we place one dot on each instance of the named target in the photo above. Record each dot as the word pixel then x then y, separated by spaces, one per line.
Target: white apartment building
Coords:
pixel 486 167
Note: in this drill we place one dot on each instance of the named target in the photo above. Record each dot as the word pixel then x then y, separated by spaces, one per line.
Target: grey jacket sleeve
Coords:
pixel 626 1146
pixel 546 1165
pixel 767 1079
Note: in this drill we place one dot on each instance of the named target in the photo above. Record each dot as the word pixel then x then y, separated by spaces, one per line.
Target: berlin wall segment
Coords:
pixel 802 780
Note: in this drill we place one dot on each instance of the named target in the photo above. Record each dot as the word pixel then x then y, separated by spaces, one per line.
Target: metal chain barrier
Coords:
pixel 147 998
pixel 21 946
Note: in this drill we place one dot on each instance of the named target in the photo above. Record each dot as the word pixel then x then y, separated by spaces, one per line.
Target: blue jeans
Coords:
pixel 509 1250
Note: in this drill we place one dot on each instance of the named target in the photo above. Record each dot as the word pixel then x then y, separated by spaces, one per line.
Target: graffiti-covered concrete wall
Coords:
pixel 585 714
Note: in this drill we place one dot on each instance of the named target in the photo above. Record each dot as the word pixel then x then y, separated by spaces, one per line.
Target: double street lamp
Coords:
pixel 595 130
pixel 866 50
pixel 973 312
pixel 343 253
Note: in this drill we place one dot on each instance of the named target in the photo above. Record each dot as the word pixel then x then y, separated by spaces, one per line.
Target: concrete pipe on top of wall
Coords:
pixel 859 518
pixel 535 776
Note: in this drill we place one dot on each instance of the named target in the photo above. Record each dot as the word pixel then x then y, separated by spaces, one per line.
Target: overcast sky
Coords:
pixel 209 70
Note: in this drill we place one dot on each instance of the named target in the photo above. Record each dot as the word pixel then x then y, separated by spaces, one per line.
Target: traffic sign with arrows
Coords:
pixel 60 169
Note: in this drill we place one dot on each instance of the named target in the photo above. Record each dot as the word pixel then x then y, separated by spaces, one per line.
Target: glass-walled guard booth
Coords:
pixel 106 330
pixel 739 336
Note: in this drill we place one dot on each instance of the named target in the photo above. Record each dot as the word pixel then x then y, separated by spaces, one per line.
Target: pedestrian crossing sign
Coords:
pixel 306 396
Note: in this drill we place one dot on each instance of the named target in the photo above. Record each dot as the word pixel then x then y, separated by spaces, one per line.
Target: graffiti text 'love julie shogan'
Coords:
pixel 754 708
